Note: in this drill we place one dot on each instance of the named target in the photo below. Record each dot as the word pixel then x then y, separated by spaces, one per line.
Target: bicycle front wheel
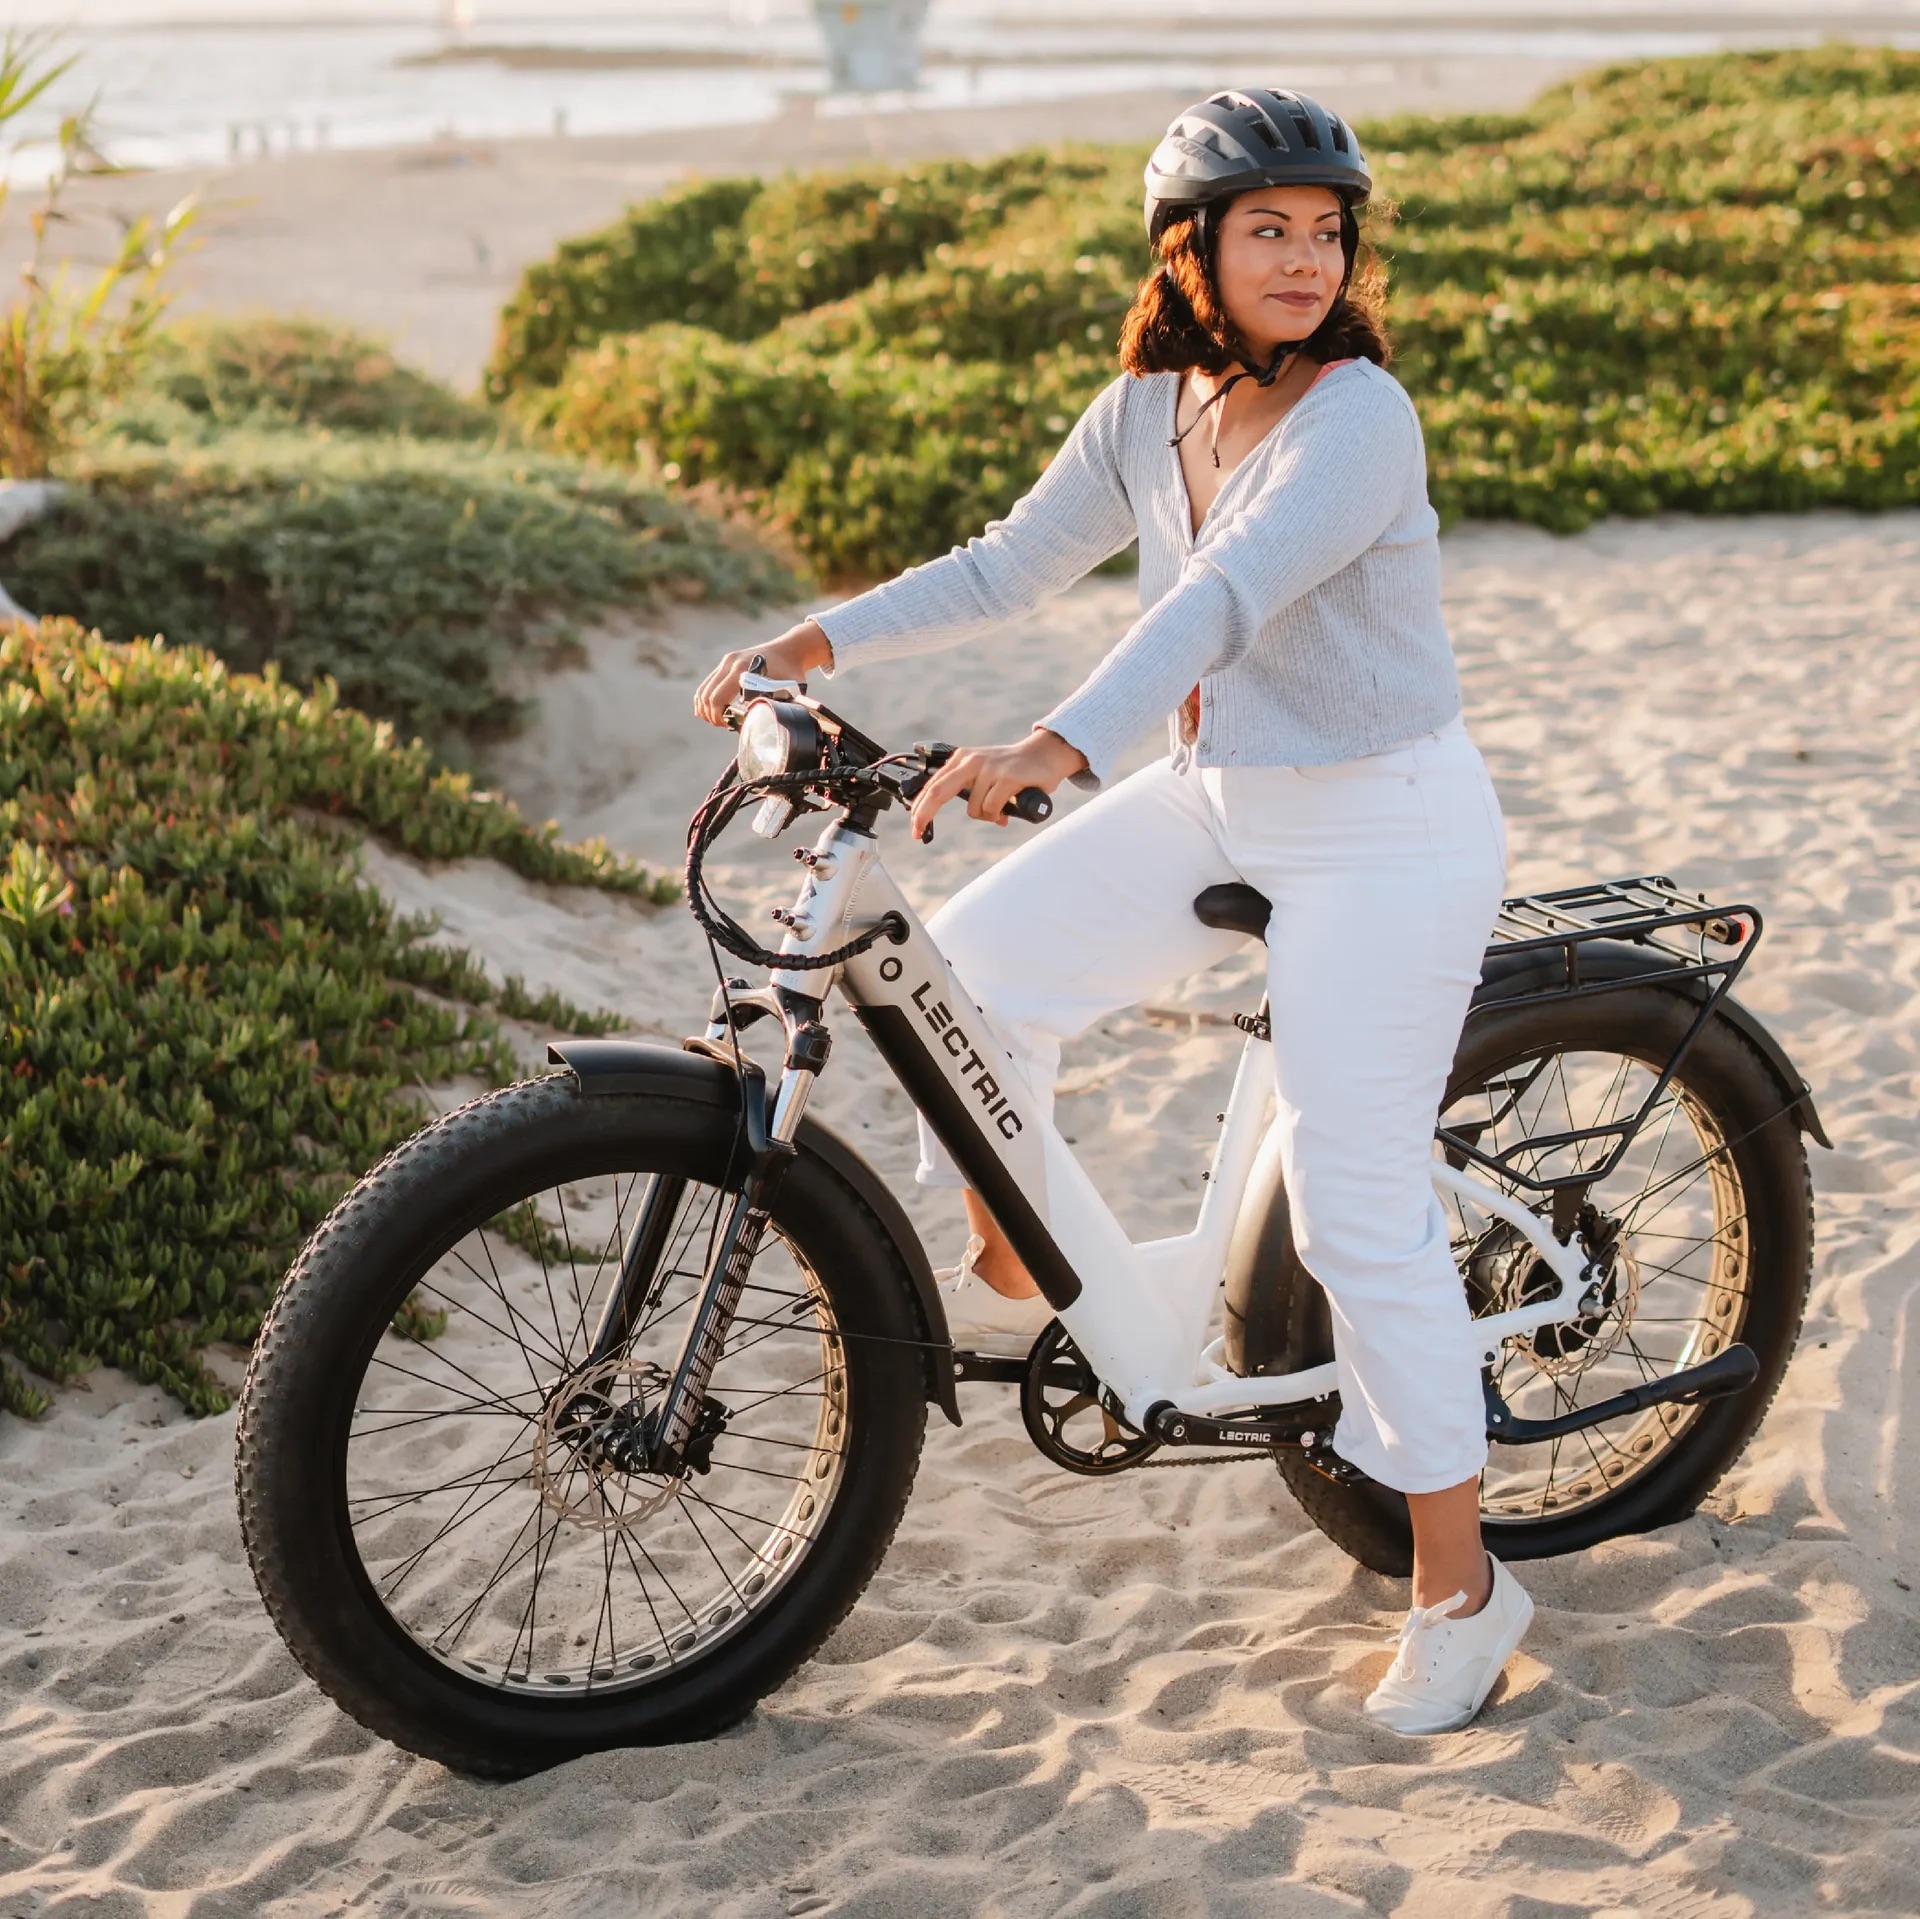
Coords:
pixel 429 1447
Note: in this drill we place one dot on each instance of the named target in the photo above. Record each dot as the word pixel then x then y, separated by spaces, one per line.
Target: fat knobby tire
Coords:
pixel 341 1294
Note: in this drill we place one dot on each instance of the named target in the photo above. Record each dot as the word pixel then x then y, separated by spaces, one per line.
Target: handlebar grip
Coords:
pixel 1031 805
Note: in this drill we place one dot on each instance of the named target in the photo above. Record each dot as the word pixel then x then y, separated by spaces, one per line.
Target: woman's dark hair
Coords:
pixel 1177 321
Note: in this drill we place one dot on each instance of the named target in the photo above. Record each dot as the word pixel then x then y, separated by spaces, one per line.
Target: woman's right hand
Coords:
pixel 796 653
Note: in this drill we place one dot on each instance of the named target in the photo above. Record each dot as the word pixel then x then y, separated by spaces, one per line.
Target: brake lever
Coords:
pixel 759 686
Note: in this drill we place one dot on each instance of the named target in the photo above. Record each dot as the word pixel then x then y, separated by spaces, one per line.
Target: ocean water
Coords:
pixel 250 78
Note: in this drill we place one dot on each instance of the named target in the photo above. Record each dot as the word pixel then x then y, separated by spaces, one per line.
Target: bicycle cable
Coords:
pixel 728 798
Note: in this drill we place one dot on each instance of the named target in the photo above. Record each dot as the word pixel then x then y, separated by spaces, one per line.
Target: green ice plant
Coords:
pixel 1684 284
pixel 67 350
pixel 414 572
pixel 209 1022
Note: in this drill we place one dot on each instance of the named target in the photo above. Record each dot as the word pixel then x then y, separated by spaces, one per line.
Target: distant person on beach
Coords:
pixel 1291 636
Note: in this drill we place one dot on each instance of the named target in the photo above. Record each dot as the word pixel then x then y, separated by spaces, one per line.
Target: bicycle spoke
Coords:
pixel 526 1553
pixel 1674 1203
pixel 488 1401
pixel 579 1304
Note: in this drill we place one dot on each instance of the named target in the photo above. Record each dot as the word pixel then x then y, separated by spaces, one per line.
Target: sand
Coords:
pixel 1139 1697
pixel 424 243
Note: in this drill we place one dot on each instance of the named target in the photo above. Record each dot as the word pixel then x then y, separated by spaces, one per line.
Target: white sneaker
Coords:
pixel 1446 1666
pixel 983 1321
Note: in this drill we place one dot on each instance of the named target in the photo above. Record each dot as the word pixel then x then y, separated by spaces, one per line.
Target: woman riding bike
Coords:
pixel 1291 634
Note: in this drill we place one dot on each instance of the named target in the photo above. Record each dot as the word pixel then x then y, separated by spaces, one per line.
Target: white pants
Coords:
pixel 1385 874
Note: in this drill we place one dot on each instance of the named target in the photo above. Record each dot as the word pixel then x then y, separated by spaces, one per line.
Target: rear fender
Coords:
pixel 1509 976
pixel 1274 1328
pixel 606 1068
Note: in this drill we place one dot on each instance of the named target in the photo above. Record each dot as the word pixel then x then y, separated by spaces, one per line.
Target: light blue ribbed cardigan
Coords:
pixel 1306 609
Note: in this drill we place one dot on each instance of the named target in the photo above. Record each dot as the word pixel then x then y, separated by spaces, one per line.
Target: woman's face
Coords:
pixel 1279 264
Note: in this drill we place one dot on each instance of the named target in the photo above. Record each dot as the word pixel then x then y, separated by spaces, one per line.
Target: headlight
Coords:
pixel 776 737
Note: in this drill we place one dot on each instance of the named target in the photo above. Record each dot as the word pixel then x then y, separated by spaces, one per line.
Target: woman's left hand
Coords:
pixel 993 775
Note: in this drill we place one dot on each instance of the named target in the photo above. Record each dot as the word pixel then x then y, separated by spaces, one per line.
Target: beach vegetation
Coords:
pixel 266 370
pixel 212 1022
pixel 68 350
pixel 1680 285
pixel 419 575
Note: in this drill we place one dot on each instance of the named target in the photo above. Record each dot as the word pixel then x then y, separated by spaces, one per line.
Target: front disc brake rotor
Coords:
pixel 591 1422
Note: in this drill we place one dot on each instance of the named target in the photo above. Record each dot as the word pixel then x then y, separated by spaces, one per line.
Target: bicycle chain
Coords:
pixel 1209 1459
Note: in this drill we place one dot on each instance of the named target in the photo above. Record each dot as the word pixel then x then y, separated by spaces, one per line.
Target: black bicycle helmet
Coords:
pixel 1263 137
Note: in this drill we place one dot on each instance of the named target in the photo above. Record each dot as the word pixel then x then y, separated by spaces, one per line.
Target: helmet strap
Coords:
pixel 1283 355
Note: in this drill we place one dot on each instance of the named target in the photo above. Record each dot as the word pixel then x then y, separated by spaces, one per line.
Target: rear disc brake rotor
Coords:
pixel 1505 1271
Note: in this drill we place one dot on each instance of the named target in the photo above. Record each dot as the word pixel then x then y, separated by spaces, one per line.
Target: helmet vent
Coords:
pixel 1305 128
pixel 1341 144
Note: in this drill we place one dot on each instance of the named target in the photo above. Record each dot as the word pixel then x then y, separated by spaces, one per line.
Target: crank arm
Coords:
pixel 1730 1372
pixel 1172 1427
pixel 1002 1369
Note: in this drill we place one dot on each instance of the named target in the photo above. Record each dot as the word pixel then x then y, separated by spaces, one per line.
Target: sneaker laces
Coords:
pixel 959 1275
pixel 1415 1645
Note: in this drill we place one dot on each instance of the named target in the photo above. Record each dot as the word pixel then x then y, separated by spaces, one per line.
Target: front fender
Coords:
pixel 606 1068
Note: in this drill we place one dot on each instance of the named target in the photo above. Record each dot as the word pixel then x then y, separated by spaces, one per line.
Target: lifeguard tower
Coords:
pixel 873 46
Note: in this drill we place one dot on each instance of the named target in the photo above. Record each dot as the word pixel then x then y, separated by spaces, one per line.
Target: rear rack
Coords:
pixel 1651 913
pixel 1676 934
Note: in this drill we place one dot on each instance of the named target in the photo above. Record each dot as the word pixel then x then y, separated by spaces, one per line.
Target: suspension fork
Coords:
pixel 635 1293
pixel 770 1149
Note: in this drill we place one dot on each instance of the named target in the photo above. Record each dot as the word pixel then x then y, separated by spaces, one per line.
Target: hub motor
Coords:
pixel 1504 1271
pixel 589 1442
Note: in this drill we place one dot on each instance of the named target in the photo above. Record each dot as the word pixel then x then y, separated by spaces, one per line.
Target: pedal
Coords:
pixel 1318 1452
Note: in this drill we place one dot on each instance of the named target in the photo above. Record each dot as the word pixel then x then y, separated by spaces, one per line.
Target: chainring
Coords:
pixel 1060 1391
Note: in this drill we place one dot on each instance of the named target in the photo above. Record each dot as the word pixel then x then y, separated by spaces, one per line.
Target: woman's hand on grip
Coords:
pixel 991 776
pixel 796 653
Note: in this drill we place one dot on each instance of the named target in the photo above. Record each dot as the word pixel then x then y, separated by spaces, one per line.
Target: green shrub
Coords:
pixel 1686 284
pixel 271 371
pixel 406 570
pixel 211 1023
pixel 66 351
pixel 871 460
pixel 738 256
pixel 660 260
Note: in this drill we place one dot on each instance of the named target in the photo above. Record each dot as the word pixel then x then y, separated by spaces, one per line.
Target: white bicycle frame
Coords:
pixel 1137 1312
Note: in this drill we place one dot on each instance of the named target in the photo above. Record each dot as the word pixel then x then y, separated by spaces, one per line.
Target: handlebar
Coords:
pixel 796 756
pixel 837 753
pixel 1029 804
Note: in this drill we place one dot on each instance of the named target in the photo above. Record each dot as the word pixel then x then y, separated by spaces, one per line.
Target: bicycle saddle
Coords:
pixel 1236 908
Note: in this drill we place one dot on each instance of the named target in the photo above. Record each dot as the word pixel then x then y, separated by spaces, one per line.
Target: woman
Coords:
pixel 1291 631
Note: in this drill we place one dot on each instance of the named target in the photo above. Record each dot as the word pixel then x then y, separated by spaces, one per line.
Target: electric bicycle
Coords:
pixel 653 1409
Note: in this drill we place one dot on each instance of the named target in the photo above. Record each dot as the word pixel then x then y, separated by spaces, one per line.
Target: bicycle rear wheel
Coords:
pixel 1713 1206
pixel 437 1477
